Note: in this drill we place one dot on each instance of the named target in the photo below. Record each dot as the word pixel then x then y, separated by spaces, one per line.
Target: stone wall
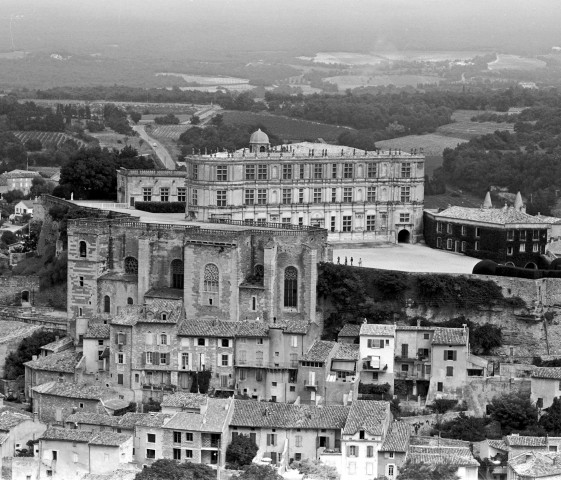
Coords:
pixel 13 288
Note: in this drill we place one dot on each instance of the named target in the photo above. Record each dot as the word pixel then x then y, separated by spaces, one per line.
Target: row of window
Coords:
pixel 354 451
pixel 291 172
pixel 523 235
pixel 147 194
pixel 288 196
pixel 510 250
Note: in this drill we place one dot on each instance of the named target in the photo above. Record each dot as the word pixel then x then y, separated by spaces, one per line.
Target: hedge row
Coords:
pixel 161 207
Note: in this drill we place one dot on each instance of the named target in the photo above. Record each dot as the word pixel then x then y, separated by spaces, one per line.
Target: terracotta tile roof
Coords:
pixel 120 277
pixel 109 439
pixel 154 309
pixel 496 216
pixel 397 439
pixel 406 328
pixel 85 418
pixel 68 434
pixel 535 465
pixel 184 399
pixel 457 456
pixel 346 351
pixel 131 420
pixel 367 415
pixel 128 315
pixel 249 413
pixel 213 420
pixel 10 419
pixel 75 390
pixel 22 174
pixel 449 336
pixel 498 444
pixel 252 329
pixel 98 331
pixel 377 329
pixel 524 441
pixel 553 373
pixel 422 440
pixel 319 351
pixel 58 344
pixel 293 326
pixel 64 362
pixel 350 330
pixel 207 328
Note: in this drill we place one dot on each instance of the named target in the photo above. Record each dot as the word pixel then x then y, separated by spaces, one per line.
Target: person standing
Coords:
pixel 338 260
pixel 345 260
pixel 351 261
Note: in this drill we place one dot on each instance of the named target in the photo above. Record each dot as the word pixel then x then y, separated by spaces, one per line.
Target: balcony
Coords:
pixel 268 365
pixel 159 386
pixel 210 441
pixel 311 384
pixel 411 376
pixel 373 365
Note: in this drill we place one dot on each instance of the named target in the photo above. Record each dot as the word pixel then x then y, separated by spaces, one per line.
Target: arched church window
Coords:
pixel 177 274
pixel 107 304
pixel 83 249
pixel 211 278
pixel 290 287
pixel 131 265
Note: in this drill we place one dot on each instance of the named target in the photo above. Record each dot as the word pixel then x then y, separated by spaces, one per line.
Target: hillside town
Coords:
pixel 187 334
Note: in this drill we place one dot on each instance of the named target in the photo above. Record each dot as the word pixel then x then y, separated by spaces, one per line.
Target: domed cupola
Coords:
pixel 259 142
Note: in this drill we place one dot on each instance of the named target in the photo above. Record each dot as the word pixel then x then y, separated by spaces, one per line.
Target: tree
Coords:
pixel 9 237
pixel 425 471
pixel 195 120
pixel 258 472
pixel 471 429
pixel 551 419
pixel 515 412
pixel 39 186
pixel 135 116
pixel 241 451
pixel 165 469
pixel 13 196
pixel 315 470
pixel 28 347
pixel 33 145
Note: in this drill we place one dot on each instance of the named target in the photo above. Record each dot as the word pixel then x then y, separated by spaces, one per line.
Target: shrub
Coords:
pixel 161 207
pixel 373 388
pixel 442 405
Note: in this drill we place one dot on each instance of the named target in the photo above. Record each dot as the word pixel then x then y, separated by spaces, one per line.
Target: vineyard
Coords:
pixel 47 138
pixel 285 127
pixel 169 131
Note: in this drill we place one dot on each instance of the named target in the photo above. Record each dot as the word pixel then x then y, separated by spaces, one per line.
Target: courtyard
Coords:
pixel 406 258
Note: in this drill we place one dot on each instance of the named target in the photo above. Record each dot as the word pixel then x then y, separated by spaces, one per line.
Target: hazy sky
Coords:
pixel 297 26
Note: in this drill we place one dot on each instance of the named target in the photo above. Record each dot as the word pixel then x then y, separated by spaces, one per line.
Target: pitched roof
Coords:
pixel 367 415
pixel 553 373
pixel 498 444
pixel 97 331
pixel 346 351
pixel 64 362
pixel 350 330
pixel 93 419
pixel 534 465
pixel 109 439
pixel 131 420
pixel 524 441
pixel 377 329
pixel 207 328
pixel 184 400
pixel 74 390
pixel 10 419
pixel 422 440
pixel 434 455
pixel 292 326
pixel 68 434
pixel 212 420
pixel 165 292
pixel 449 336
pixel 319 351
pixel 58 344
pixel 397 439
pixel 252 329
pixel 249 413
pixel 496 216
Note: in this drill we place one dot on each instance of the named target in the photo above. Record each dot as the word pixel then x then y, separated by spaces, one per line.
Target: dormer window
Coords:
pixel 163 316
pixel 361 434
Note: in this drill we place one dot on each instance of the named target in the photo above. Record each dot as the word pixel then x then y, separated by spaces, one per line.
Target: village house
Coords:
pixel 68 453
pixel 545 385
pixel 24 207
pixel 394 449
pixel 377 350
pixel 534 466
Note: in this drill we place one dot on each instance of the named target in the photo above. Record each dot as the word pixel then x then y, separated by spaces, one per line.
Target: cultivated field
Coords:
pixel 464 128
pixel 47 138
pixel 431 143
pixel 110 139
pixel 344 82
pixel 515 62
pixel 172 132
pixel 285 127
